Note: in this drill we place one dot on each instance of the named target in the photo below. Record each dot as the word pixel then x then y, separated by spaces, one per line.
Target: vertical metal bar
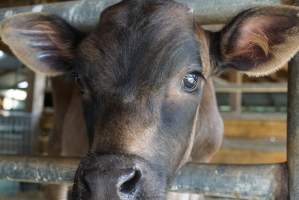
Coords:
pixel 235 98
pixel 36 98
pixel 293 124
pixel 293 129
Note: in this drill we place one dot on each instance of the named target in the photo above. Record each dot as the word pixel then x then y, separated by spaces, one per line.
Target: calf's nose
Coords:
pixel 128 182
pixel 120 184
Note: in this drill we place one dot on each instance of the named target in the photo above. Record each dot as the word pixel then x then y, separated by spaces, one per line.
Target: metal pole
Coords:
pixel 293 129
pixel 220 11
pixel 239 182
pixel 84 14
pixel 252 88
pixel 266 182
pixel 38 169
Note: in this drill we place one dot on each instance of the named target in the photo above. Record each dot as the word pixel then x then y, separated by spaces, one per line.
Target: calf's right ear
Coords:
pixel 45 43
pixel 259 41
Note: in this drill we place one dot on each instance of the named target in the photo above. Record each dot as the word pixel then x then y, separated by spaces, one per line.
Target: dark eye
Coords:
pixel 191 81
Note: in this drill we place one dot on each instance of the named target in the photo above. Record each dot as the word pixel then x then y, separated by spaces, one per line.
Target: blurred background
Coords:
pixel 254 112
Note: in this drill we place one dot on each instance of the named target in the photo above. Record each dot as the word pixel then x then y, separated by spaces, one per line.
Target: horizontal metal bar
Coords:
pixel 231 181
pixel 219 11
pixel 255 145
pixel 81 14
pixel 38 169
pixel 255 116
pixel 253 88
pixel 84 14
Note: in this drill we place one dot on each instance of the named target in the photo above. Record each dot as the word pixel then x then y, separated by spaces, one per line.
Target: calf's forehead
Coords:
pixel 139 42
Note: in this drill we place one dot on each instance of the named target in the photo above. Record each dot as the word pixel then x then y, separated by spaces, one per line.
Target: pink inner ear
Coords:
pixel 256 35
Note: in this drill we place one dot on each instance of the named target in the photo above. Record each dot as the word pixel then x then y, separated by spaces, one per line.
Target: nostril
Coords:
pixel 128 183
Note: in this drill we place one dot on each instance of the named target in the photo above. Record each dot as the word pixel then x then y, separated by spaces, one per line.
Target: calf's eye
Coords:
pixel 191 81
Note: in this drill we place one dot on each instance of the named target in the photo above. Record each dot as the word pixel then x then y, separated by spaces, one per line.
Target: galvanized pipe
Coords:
pixel 239 182
pixel 293 126
pixel 38 169
pixel 293 129
pixel 85 14
pixel 230 181
pixel 265 182
pixel 252 88
pixel 82 14
pixel 220 11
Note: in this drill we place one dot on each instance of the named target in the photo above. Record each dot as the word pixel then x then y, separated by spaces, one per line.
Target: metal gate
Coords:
pixel 15 134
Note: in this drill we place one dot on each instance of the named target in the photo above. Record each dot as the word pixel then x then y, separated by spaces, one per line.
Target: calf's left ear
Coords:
pixel 45 43
pixel 259 41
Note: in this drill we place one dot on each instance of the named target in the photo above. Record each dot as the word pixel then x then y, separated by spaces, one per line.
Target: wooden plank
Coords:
pixel 237 156
pixel 253 142
pixel 234 128
pixel 255 129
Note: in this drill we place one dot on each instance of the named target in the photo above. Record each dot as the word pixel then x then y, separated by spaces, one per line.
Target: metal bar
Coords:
pixel 235 99
pixel 231 181
pixel 253 88
pixel 219 11
pixel 37 169
pixel 36 96
pixel 293 129
pixel 256 145
pixel 84 14
pixel 255 116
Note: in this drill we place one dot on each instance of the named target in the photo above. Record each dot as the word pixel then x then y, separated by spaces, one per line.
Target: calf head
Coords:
pixel 145 77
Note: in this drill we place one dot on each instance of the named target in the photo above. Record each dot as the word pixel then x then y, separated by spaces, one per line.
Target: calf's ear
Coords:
pixel 259 41
pixel 45 43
